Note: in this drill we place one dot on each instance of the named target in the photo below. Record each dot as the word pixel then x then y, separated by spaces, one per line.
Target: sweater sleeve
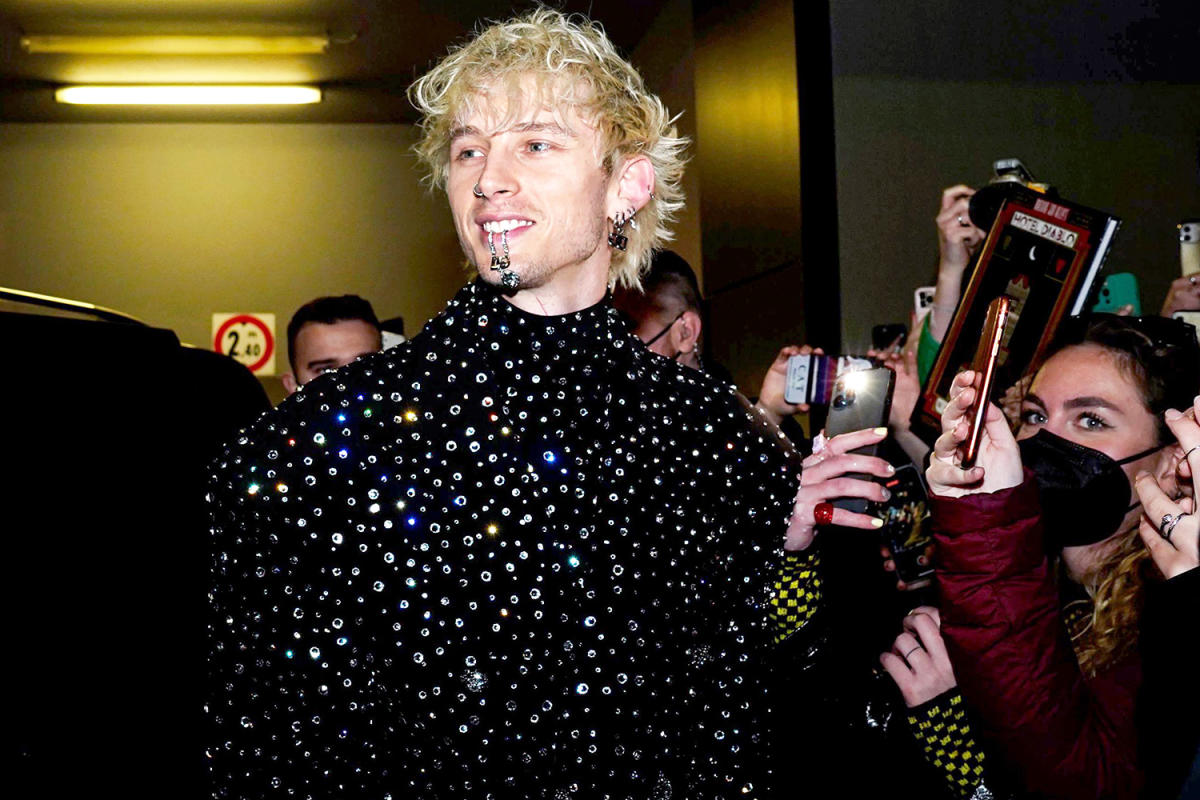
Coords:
pixel 943 731
pixel 796 595
pixel 1062 735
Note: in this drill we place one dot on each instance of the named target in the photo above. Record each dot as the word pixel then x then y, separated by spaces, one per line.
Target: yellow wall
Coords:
pixel 666 58
pixel 172 222
pixel 748 160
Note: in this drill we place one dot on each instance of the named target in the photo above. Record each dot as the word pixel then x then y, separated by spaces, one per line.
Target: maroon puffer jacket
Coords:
pixel 1063 735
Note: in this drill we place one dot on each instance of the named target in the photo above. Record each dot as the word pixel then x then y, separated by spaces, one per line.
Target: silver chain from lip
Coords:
pixel 503 264
pixel 499 263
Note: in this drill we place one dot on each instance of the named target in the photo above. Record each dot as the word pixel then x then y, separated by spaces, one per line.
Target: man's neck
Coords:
pixel 569 290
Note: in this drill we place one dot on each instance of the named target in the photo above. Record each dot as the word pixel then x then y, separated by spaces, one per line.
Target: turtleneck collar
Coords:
pixel 599 319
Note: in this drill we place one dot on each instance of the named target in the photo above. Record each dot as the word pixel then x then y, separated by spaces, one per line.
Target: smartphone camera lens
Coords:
pixel 843 399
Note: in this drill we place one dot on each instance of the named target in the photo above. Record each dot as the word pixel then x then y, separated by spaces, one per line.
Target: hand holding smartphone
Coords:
pixel 984 367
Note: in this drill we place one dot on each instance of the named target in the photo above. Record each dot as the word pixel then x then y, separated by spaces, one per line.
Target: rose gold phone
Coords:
pixel 984 367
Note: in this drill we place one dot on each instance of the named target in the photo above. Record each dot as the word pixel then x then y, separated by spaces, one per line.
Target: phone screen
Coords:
pixel 984 367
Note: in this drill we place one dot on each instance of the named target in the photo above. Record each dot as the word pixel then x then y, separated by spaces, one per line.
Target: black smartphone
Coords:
pixel 888 336
pixel 860 400
pixel 904 531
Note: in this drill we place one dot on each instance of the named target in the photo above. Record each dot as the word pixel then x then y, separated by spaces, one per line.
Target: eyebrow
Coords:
pixel 1089 401
pixel 523 127
pixel 1086 401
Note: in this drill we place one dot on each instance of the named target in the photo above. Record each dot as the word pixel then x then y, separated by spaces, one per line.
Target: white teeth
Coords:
pixel 500 226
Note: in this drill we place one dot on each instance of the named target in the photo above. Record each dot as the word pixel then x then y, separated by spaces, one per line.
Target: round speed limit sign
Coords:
pixel 248 339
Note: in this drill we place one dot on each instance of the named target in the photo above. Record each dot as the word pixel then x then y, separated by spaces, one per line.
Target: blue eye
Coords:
pixel 539 147
pixel 1031 416
pixel 1092 422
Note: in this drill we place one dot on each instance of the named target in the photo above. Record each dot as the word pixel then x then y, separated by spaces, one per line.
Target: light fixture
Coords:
pixel 171 45
pixel 188 95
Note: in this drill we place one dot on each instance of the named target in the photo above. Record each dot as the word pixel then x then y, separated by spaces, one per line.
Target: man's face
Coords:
pixel 321 347
pixel 543 184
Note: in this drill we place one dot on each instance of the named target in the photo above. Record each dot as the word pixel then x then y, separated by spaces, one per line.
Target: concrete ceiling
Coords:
pixel 381 46
pixel 1019 41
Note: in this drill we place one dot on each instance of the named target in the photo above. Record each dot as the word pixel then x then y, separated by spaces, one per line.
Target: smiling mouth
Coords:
pixel 505 225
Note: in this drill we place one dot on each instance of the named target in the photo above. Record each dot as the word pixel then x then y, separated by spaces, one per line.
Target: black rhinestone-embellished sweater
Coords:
pixel 518 556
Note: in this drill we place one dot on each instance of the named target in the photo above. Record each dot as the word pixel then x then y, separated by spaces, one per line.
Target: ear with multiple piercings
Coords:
pixel 617 238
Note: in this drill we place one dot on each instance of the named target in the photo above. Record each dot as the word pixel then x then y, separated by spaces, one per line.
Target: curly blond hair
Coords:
pixel 1110 632
pixel 572 63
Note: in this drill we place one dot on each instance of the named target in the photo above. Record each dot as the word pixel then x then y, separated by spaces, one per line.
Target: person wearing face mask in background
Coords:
pixel 667 314
pixel 1039 562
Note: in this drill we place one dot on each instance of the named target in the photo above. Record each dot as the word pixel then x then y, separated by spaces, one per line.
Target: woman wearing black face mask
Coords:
pixel 1039 560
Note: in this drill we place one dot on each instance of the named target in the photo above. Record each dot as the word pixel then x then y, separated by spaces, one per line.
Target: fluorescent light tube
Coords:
pixel 190 95
pixel 175 45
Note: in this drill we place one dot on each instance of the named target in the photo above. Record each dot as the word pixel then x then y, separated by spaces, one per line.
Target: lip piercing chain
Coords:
pixel 503 264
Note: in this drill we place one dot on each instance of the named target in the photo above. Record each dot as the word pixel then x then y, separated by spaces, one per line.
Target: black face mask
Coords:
pixel 1085 493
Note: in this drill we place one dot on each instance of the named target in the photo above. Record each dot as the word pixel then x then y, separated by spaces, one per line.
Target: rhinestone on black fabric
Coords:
pixel 516 556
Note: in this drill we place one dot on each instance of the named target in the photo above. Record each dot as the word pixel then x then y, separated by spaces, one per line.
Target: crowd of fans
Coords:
pixel 1050 660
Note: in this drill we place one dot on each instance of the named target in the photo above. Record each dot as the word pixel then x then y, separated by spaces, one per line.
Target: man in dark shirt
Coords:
pixel 519 555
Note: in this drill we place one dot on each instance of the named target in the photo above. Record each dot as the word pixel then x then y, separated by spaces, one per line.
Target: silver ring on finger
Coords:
pixel 819 443
pixel 910 652
pixel 1167 526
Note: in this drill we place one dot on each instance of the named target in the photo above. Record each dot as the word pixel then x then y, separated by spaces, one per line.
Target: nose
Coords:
pixel 498 176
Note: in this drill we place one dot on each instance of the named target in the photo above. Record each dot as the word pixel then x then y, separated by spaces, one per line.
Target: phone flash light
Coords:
pixel 853 381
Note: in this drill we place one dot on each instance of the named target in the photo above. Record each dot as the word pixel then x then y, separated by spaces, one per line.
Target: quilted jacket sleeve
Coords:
pixel 1062 735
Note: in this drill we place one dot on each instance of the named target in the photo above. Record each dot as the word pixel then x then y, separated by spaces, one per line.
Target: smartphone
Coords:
pixel 1189 246
pixel 1189 262
pixel 861 399
pixel 810 378
pixel 923 300
pixel 889 335
pixel 904 531
pixel 1119 289
pixel 984 367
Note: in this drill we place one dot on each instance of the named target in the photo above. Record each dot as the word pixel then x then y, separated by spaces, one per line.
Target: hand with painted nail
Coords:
pixel 826 477
pixel 1170 528
pixel 998 463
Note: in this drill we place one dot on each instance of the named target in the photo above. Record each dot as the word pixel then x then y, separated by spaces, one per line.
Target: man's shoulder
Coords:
pixel 690 391
pixel 321 411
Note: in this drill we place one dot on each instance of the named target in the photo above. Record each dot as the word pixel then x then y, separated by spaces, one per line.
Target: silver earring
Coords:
pixel 475 190
pixel 617 238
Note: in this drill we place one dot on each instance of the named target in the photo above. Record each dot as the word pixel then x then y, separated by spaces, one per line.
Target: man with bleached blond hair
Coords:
pixel 520 555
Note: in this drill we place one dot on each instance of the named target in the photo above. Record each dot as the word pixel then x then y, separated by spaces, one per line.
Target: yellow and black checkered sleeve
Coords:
pixel 797 593
pixel 943 730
